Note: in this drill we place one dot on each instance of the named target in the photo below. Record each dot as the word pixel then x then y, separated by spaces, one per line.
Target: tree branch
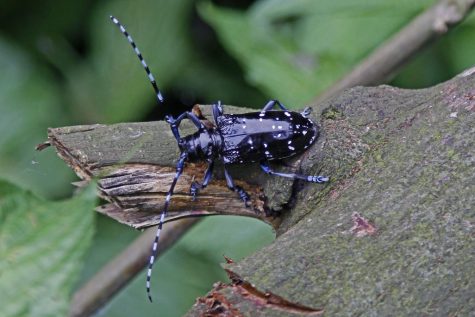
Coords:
pixel 396 214
pixel 153 154
pixel 386 61
pixel 123 268
pixel 133 164
pixel 394 231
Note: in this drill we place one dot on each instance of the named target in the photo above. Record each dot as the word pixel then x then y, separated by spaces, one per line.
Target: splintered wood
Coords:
pixel 118 158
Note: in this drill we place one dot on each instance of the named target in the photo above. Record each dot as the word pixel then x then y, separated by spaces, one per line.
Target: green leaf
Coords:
pixel 29 103
pixel 189 269
pixel 293 50
pixel 41 246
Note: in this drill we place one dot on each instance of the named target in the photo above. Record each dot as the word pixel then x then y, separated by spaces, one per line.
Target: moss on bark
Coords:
pixel 404 161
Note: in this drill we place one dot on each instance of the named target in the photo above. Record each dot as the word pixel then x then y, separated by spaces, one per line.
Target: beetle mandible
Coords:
pixel 235 139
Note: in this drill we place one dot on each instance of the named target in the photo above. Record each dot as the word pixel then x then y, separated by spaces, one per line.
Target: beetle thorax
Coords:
pixel 201 145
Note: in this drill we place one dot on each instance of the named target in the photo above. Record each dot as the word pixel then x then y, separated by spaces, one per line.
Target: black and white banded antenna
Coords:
pixel 139 55
pixel 181 162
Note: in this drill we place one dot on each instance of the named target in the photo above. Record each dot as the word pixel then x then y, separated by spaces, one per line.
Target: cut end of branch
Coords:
pixel 135 190
pixel 241 297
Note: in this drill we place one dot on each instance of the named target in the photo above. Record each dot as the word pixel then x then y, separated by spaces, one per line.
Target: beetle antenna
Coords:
pixel 139 55
pixel 179 170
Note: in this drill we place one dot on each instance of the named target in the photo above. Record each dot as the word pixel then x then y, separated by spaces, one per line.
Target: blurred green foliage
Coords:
pixel 42 245
pixel 297 49
pixel 64 63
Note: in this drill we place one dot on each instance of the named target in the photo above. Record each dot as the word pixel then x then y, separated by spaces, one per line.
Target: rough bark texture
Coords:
pixel 133 164
pixel 391 234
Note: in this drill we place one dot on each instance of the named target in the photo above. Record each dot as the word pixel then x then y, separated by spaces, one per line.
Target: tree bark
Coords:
pixel 392 233
pixel 134 165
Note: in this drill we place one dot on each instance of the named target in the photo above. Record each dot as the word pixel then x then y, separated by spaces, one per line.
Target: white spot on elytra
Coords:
pixel 249 141
pixel 287 114
pixel 290 142
pixel 304 132
pixel 262 114
pixel 291 148
pixel 279 135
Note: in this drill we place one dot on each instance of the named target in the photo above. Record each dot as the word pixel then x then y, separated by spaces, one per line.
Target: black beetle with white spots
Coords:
pixel 235 139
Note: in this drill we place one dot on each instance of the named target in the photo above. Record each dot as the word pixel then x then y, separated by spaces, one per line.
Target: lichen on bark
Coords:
pixel 403 160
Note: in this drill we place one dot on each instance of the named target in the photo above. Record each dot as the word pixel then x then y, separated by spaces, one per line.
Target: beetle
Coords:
pixel 235 139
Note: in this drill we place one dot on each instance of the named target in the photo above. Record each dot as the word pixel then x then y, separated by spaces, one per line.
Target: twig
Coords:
pixel 124 267
pixel 389 58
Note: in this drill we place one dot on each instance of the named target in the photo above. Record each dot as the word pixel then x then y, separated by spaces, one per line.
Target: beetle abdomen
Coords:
pixel 270 135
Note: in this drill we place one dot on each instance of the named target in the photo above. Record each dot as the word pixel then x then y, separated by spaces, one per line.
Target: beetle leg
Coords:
pixel 309 178
pixel 217 111
pixel 179 170
pixel 175 123
pixel 238 189
pixel 195 186
pixel 306 112
pixel 271 103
